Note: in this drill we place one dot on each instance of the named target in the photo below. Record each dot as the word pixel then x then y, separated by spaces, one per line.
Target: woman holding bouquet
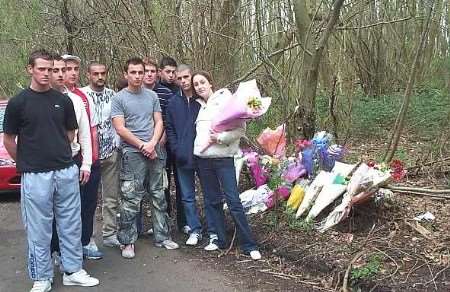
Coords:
pixel 217 171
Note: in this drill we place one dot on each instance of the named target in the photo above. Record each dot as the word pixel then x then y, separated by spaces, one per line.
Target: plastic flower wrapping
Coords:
pixel 246 103
pixel 273 141
pixel 363 184
pixel 235 109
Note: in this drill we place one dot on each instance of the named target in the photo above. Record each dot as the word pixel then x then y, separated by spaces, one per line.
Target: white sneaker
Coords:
pixel 194 238
pixel 149 232
pixel 92 245
pixel 168 244
pixel 41 286
pixel 128 251
pixel 255 255
pixel 212 245
pixel 186 229
pixel 80 278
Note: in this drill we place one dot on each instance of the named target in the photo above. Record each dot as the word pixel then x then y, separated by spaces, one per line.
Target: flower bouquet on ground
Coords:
pixel 363 185
pixel 246 103
pixel 318 153
pixel 273 141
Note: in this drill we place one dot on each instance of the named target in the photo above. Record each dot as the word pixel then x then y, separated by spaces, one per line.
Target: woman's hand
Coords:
pixel 214 137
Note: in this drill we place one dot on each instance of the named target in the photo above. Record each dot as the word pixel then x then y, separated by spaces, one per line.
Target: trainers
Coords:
pixel 213 243
pixel 194 238
pixel 149 232
pixel 92 245
pixel 168 244
pixel 128 251
pixel 186 229
pixel 255 255
pixel 111 241
pixel 80 278
pixel 92 253
pixel 41 286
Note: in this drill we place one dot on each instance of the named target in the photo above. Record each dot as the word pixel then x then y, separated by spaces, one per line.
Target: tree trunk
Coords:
pixel 311 73
pixel 400 121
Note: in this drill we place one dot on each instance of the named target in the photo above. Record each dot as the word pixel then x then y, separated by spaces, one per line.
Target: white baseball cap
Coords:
pixel 67 57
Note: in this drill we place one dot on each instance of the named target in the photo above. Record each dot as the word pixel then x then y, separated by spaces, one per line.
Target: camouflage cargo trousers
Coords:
pixel 139 176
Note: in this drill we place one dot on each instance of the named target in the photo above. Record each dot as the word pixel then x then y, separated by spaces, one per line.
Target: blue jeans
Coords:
pixel 44 196
pixel 218 180
pixel 186 180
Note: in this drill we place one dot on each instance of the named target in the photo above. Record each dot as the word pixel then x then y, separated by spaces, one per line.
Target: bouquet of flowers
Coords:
pixel 273 141
pixel 246 103
pixel 363 184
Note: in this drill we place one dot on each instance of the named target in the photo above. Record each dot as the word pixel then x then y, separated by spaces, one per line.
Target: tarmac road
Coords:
pixel 153 269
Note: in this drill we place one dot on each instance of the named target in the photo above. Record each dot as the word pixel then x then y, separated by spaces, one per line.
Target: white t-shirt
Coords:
pixel 101 116
pixel 82 140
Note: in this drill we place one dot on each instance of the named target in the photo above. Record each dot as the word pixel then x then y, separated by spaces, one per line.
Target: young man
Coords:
pixel 164 96
pixel 44 122
pixel 182 113
pixel 136 116
pixel 167 74
pixel 89 190
pixel 108 142
pixel 81 144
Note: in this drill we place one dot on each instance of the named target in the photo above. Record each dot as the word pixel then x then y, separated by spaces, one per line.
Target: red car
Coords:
pixel 9 178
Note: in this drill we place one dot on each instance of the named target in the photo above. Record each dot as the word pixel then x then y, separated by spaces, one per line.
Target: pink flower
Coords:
pixel 301 144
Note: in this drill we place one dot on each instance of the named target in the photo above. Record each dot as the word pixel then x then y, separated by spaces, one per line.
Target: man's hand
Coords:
pixel 148 149
pixel 163 139
pixel 84 176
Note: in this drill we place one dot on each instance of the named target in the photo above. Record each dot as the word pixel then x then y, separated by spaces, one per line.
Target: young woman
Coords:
pixel 216 170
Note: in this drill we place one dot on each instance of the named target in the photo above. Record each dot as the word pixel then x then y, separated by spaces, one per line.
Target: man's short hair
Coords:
pixel 184 67
pixel 133 61
pixel 149 61
pixel 57 57
pixel 95 63
pixel 167 61
pixel 39 54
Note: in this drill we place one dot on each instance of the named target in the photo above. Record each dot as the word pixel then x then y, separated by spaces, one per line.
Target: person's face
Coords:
pixel 150 75
pixel 167 74
pixel 135 75
pixel 184 80
pixel 72 73
pixel 58 74
pixel 97 76
pixel 202 86
pixel 41 71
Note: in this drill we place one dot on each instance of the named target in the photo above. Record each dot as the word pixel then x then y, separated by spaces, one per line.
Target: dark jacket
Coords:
pixel 180 129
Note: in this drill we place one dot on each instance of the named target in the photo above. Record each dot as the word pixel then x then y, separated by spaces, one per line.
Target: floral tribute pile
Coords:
pixel 312 177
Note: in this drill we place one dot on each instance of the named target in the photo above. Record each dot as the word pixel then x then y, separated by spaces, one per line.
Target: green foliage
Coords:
pixel 374 117
pixel 274 182
pixel 271 219
pixel 295 223
pixel 369 270
pixel 18 22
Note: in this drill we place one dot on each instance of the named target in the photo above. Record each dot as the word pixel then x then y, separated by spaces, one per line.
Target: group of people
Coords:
pixel 67 140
